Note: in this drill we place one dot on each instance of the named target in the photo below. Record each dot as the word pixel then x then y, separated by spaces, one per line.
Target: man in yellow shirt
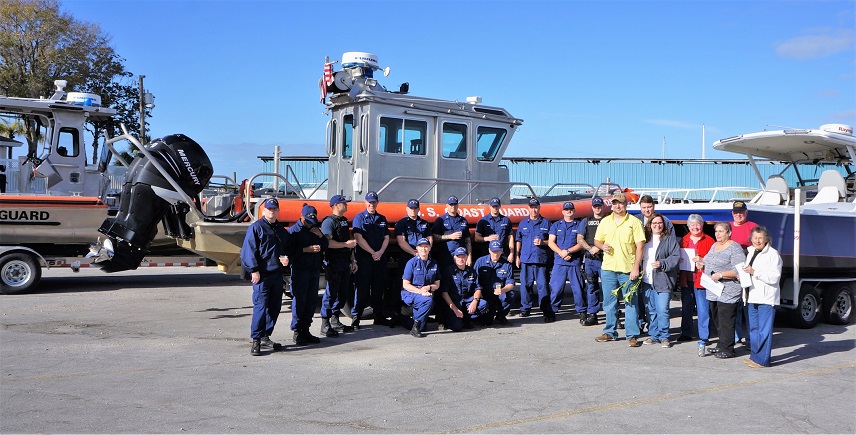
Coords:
pixel 621 238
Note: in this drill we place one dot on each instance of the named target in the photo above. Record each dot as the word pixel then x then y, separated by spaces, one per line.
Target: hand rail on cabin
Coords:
pixel 474 183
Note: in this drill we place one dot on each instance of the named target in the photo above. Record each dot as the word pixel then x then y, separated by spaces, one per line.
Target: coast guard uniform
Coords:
pixel 262 246
pixel 533 260
pixel 420 273
pixel 461 285
pixel 305 274
pixel 371 275
pixel 566 238
pixel 448 224
pixel 490 274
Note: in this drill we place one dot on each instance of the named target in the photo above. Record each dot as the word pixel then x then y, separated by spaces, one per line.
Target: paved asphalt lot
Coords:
pixel 167 350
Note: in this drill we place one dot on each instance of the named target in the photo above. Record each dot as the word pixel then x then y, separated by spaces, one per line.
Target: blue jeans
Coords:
pixel 687 309
pixel 703 312
pixel 761 317
pixel 742 317
pixel 612 280
pixel 658 312
pixel 532 277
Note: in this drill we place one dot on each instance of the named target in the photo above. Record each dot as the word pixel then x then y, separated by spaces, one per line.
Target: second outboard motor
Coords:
pixel 147 198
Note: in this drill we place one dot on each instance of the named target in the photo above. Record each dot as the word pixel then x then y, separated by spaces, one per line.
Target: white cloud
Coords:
pixel 824 43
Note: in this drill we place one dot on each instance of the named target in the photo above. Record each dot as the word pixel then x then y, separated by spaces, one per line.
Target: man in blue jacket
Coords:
pixel 308 247
pixel 263 254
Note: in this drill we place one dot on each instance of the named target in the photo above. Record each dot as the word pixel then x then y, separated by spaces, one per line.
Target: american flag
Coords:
pixel 327 80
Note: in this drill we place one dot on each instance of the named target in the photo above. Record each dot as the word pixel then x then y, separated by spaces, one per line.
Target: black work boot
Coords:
pixel 256 350
pixel 267 343
pixel 415 331
pixel 355 322
pixel 338 326
pixel 327 330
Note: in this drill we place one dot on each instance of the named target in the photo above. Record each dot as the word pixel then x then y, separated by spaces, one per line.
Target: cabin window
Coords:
pixel 489 141
pixel 68 144
pixel 333 136
pixel 347 136
pixel 403 136
pixel 454 141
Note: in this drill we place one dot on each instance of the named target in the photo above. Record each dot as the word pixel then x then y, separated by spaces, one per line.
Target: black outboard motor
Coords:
pixel 147 198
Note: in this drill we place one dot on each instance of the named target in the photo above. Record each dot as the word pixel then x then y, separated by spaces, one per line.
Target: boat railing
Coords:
pixel 466 196
pixel 699 194
pixel 582 189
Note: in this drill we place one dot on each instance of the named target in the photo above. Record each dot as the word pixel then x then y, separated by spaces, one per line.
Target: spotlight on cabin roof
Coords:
pixel 474 100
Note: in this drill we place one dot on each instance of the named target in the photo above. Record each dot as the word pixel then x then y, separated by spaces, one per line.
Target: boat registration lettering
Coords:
pixel 24 215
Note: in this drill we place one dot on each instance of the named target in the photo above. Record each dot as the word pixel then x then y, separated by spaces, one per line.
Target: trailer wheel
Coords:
pixel 838 301
pixel 807 313
pixel 19 273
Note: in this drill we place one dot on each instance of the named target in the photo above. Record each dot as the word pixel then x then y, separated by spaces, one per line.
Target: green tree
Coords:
pixel 39 44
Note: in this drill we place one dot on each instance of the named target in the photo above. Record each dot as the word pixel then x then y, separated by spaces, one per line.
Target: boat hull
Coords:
pixel 827 235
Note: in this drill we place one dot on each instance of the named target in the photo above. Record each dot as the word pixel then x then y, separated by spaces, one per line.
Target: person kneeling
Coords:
pixel 420 280
pixel 462 294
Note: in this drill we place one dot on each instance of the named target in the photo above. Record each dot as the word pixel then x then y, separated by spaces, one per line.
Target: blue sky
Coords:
pixel 589 78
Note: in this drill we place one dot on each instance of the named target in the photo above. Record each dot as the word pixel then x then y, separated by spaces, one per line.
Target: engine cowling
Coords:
pixel 148 198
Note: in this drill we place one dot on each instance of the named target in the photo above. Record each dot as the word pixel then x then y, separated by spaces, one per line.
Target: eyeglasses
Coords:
pixel 657 223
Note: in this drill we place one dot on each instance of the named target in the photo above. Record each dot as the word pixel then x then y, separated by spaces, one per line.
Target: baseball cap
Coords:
pixel 371 196
pixel 271 203
pixel 533 202
pixel 453 200
pixel 310 214
pixel 495 246
pixel 423 241
pixel 597 201
pixel 568 206
pixel 619 196
pixel 739 206
pixel 495 202
pixel 461 251
pixel 337 199
pixel 413 203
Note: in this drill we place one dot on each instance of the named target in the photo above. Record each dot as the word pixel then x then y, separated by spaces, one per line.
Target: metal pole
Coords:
pixel 702 141
pixel 142 113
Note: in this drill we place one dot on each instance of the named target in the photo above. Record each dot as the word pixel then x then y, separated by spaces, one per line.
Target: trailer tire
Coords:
pixel 19 273
pixel 838 303
pixel 807 313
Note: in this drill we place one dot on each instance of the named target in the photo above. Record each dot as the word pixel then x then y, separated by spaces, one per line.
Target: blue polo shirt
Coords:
pixel 460 283
pixel 412 230
pixel 421 272
pixel 372 227
pixel 490 225
pixel 527 231
pixel 566 238
pixel 450 224
pixel 489 273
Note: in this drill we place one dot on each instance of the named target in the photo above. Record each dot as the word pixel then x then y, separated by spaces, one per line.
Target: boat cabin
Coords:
pixel 55 160
pixel 403 146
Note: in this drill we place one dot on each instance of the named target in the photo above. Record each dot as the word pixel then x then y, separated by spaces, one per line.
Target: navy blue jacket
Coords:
pixel 301 237
pixel 263 245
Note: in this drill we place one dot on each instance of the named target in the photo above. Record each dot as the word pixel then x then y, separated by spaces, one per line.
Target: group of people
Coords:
pixel 634 259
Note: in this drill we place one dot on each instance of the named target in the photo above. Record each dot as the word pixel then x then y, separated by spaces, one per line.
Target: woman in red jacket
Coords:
pixel 691 288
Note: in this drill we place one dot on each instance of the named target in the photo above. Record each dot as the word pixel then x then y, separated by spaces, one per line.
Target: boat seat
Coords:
pixel 776 191
pixel 830 187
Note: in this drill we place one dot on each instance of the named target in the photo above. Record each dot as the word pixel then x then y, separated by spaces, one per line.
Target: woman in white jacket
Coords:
pixel 764 264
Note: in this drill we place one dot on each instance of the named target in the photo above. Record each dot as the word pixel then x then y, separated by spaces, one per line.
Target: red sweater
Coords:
pixel 704 244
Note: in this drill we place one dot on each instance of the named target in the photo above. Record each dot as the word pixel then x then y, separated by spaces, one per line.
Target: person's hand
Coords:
pixel 749 269
pixel 655 264
pixel 255 277
pixel 456 235
pixel 316 231
pixel 492 237
pixel 425 290
pixel 473 306
pixel 376 256
pixel 634 274
pixel 607 248
pixel 457 312
pixel 512 258
pixel 351 244
pixel 594 250
pixel 354 266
